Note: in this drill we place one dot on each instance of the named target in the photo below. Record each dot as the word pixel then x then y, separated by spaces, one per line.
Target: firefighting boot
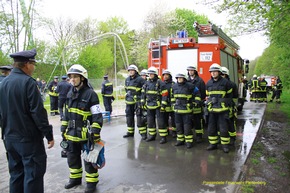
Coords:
pixel 179 143
pixel 173 134
pixel 163 140
pixel 211 147
pixel 225 148
pixel 72 183
pixel 198 138
pixel 188 145
pixel 91 187
pixel 151 138
pixel 232 140
pixel 144 136
pixel 128 135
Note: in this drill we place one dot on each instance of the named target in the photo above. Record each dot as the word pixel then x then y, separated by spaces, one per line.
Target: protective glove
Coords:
pixel 96 137
pixel 92 156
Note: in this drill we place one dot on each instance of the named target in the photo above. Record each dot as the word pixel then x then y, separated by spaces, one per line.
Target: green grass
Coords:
pixel 272 160
pixel 285 102
pixel 246 188
pixel 255 161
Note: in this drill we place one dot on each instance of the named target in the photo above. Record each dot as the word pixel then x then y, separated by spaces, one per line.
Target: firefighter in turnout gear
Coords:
pixel 107 93
pixel 194 78
pixel 254 89
pixel 141 112
pixel 53 96
pixel 167 115
pixel 133 87
pixel 82 123
pixel 153 95
pixel 233 115
pixel 219 92
pixel 263 90
pixel 182 99
pixel 277 90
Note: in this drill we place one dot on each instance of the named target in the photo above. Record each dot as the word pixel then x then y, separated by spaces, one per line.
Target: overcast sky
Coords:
pixel 134 12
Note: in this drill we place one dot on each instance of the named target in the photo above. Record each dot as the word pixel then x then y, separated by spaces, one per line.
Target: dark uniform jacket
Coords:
pixel 167 102
pixel 153 93
pixel 81 106
pixel 183 97
pixel 52 88
pixel 107 88
pixel 21 107
pixel 133 86
pixel 220 95
pixel 199 83
pixel 63 88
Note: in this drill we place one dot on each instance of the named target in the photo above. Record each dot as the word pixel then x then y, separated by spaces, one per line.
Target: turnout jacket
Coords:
pixel 183 97
pixel 23 115
pixel 154 93
pixel 52 88
pixel 107 88
pixel 63 88
pixel 220 95
pixel 133 86
pixel 166 103
pixel 82 112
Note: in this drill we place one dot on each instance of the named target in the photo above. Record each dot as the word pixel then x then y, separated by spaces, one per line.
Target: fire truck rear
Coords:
pixel 213 46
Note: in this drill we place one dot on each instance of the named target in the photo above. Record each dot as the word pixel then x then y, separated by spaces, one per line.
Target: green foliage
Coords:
pixel 97 59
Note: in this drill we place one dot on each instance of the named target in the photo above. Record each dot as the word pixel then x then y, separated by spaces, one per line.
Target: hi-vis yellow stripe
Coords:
pixel 85 114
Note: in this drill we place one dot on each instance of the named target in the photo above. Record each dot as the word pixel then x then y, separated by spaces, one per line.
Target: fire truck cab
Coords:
pixel 213 46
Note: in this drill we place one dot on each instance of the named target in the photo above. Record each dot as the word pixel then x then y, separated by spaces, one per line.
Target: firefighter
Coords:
pixel 141 113
pixel 166 111
pixel 133 87
pixel 182 98
pixel 107 93
pixel 5 71
pixel 53 96
pixel 62 89
pixel 263 90
pixel 219 92
pixel 245 87
pixel 198 82
pixel 254 88
pixel 153 93
pixel 233 108
pixel 82 122
pixel 277 90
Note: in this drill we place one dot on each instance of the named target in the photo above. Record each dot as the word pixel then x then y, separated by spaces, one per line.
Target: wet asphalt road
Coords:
pixel 136 166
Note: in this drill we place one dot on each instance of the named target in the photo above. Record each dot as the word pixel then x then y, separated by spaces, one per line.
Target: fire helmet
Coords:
pixel 215 67
pixel 78 69
pixel 225 70
pixel 152 70
pixel 133 67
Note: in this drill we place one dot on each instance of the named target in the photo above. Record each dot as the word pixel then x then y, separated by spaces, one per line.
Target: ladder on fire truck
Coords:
pixel 155 47
pixel 211 30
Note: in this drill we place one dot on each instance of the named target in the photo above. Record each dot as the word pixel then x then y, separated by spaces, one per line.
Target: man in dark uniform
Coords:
pixel 53 96
pixel 133 86
pixel 24 124
pixel 5 71
pixel 198 82
pixel 107 93
pixel 219 91
pixel 82 122
pixel 62 89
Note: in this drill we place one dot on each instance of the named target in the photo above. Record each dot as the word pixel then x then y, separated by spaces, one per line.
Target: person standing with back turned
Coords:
pixel 24 123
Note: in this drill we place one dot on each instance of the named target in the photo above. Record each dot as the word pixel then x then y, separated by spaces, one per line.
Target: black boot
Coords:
pixel 188 145
pixel 179 143
pixel 151 138
pixel 91 187
pixel 128 135
pixel 144 136
pixel 163 140
pixel 232 140
pixel 198 138
pixel 211 147
pixel 225 148
pixel 173 134
pixel 72 183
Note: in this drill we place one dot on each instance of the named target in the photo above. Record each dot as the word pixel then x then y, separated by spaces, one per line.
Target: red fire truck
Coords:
pixel 212 46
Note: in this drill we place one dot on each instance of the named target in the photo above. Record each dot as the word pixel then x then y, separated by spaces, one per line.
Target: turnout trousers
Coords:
pixel 53 104
pixel 152 114
pixel 218 121
pixel 27 166
pixel 184 127
pixel 108 104
pixel 74 161
pixel 130 113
